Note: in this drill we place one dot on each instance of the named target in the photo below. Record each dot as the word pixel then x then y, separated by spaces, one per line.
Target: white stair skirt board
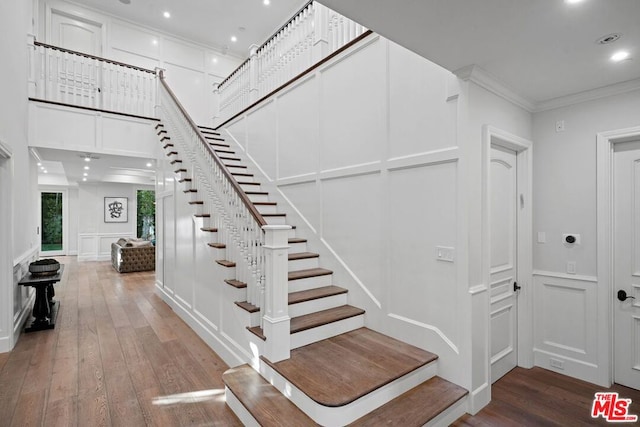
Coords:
pixel 310 283
pixel 449 415
pixel 313 306
pixel 303 264
pixel 238 408
pixel 329 330
pixel 342 415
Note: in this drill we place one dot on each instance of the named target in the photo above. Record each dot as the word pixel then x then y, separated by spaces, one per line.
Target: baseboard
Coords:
pixel 479 398
pixel 22 317
pixel 229 355
pixel 579 369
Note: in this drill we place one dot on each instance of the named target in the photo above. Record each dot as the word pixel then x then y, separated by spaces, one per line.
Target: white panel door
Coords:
pixel 627 264
pixel 75 34
pixel 77 79
pixel 504 226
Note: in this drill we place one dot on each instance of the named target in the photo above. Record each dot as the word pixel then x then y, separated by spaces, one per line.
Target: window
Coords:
pixel 146 214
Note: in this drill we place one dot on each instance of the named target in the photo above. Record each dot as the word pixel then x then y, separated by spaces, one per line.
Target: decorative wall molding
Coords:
pixel 429 327
pixel 557 275
pixel 27 255
pixel 589 95
pixel 97 246
pixel 5 150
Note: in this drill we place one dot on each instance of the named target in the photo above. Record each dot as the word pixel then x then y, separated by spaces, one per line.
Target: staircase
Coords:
pixel 339 372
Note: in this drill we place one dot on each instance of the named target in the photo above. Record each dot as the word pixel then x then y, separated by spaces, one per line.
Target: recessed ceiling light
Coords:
pixel 84 179
pixel 45 171
pixel 42 168
pixel 166 14
pixel 234 39
pixel 85 174
pixel 214 60
pixel 149 164
pixel 609 38
pixel 266 2
pixel 86 168
pixel 154 42
pixel 39 164
pixel 621 55
pixel 573 1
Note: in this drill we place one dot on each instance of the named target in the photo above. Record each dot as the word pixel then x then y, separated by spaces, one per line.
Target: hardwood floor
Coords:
pixel 538 397
pixel 118 356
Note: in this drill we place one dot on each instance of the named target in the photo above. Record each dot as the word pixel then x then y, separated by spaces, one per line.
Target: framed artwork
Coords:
pixel 116 209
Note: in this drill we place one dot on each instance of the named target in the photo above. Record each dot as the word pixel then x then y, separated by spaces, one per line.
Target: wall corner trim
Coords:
pixel 5 150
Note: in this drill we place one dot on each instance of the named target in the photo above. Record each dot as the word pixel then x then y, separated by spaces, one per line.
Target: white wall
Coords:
pixel 94 236
pixel 567 327
pixel 366 150
pixel 191 69
pixel 18 231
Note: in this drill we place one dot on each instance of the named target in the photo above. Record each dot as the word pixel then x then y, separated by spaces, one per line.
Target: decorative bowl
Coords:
pixel 44 267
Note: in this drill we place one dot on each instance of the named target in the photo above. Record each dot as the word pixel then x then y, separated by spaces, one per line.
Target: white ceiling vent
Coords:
pixel 609 38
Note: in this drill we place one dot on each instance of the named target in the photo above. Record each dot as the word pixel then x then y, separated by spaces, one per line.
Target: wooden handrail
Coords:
pixel 296 78
pixel 86 55
pixel 245 199
pixel 265 43
pixel 295 15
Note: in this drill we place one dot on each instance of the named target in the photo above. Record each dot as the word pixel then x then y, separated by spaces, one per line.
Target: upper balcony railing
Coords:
pixel 75 78
pixel 313 34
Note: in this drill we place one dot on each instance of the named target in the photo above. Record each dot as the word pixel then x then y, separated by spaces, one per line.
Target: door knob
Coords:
pixel 622 295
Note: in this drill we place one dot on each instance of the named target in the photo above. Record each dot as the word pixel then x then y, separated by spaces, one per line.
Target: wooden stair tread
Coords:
pixel 241 174
pixel 219 144
pixel 264 402
pixel 173 162
pixel 159 125
pixel 179 170
pixel 184 180
pixel 247 306
pixel 196 202
pixel 209 229
pixel 257 331
pixel 297 240
pixel 235 159
pixel 164 138
pixel 323 317
pixel 371 360
pixel 309 272
pixel 217 245
pixel 417 406
pixel 248 183
pixel 190 190
pixel 265 204
pixel 236 166
pixel 225 263
pixel 167 145
pixel 172 152
pixel 235 283
pixel 203 215
pixel 256 193
pixel 302 255
pixel 316 293
pixel 224 151
pixel 274 215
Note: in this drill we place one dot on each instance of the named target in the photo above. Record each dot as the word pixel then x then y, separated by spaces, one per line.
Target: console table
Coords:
pixel 45 309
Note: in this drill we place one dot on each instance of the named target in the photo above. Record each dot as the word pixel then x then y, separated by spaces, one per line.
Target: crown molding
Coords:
pixel 489 82
pixel 588 95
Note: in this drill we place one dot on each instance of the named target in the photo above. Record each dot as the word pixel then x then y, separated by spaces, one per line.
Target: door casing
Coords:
pixel 604 201
pixel 524 264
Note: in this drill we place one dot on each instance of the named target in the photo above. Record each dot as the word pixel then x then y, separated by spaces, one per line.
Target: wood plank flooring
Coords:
pixel 118 356
pixel 118 349
pixel 538 397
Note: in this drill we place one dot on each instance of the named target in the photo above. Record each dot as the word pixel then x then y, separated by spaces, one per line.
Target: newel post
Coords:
pixel 321 32
pixel 276 311
pixel 216 104
pixel 253 73
pixel 33 86
pixel 160 73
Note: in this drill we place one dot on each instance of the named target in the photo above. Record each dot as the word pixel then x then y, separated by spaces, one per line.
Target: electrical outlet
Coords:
pixel 444 253
pixel 560 126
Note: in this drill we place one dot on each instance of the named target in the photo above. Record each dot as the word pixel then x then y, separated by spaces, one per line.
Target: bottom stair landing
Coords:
pixel 360 377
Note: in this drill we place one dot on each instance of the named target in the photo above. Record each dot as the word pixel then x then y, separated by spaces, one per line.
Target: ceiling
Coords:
pixel 210 22
pixel 540 49
pixel 66 167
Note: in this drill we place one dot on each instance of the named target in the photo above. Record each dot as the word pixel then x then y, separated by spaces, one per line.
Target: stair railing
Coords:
pixel 68 77
pixel 312 34
pixel 258 249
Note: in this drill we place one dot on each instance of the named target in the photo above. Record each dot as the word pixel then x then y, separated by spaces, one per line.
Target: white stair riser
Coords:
pixel 297 247
pixel 258 197
pixel 291 233
pixel 310 283
pixel 249 187
pixel 267 209
pixel 230 162
pixel 238 408
pixel 227 273
pixel 245 178
pixel 323 332
pixel 303 264
pixel 244 317
pixel 340 416
pixel 449 415
pixel 276 220
pixel 236 169
pixel 315 305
